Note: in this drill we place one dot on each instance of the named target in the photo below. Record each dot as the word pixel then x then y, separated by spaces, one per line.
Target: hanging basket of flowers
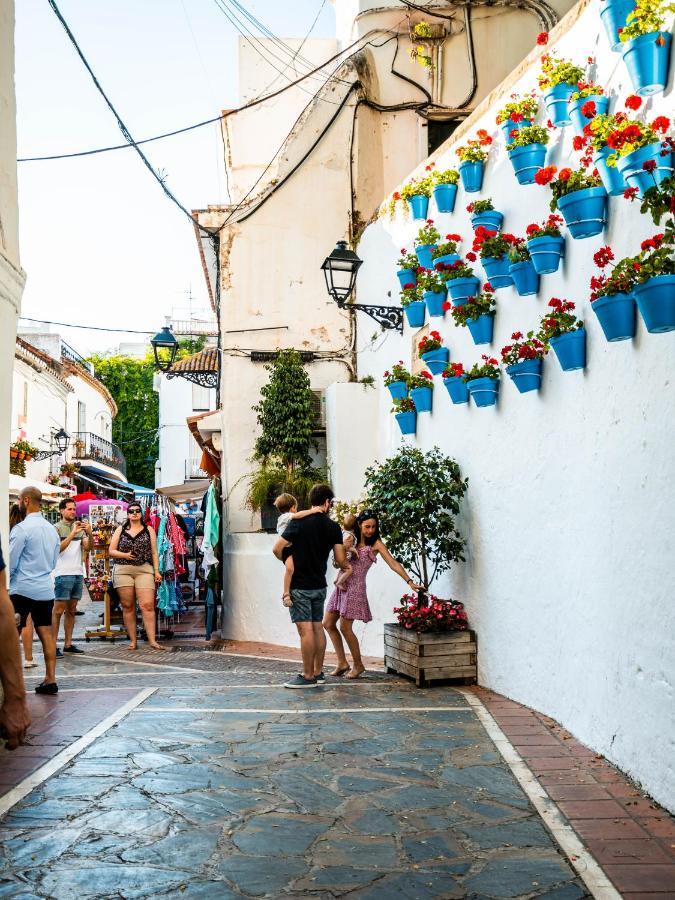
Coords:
pixel 397 380
pixel 612 297
pixel 431 350
pixel 546 244
pixel 561 330
pixel 523 360
pixel 580 197
pixel 453 379
pixel 493 249
pixel 482 381
pixel 445 189
pixel 483 213
pixel 642 153
pixel 407 268
pixel 422 391
pixel 522 270
pixel 433 288
pixel 405 414
pixel 473 156
pixel 446 252
pixel 519 112
pixel 587 102
pixel 558 80
pixel 426 242
pixel 478 315
pixel 527 152
pixel 413 304
pixel 646 46
pixel 655 286
pixel 460 280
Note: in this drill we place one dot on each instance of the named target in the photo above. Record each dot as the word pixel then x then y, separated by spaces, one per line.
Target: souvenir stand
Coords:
pixel 104 517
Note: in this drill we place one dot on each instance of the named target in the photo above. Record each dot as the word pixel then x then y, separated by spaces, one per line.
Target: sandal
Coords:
pixel 286 600
pixel 338 673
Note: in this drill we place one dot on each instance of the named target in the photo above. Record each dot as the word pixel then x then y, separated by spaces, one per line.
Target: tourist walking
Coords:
pixel 349 601
pixel 69 572
pixel 312 539
pixel 16 515
pixel 34 548
pixel 14 717
pixel 136 573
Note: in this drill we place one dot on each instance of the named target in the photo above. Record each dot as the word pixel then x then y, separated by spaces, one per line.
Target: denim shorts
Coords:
pixel 68 587
pixel 307 604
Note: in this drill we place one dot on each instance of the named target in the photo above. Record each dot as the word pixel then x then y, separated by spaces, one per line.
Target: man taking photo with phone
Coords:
pixel 69 572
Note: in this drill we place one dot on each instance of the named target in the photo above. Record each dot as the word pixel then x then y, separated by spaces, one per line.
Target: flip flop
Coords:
pixel 340 672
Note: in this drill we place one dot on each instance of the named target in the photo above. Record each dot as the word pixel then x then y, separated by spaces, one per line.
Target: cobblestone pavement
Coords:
pixel 222 784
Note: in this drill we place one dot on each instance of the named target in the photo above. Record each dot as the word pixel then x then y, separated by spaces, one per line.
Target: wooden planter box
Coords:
pixel 430 657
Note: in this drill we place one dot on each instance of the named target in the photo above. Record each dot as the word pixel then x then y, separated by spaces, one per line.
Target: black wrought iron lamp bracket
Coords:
pixel 385 316
pixel 203 379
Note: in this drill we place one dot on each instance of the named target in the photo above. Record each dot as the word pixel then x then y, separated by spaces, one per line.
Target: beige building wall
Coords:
pixel 12 278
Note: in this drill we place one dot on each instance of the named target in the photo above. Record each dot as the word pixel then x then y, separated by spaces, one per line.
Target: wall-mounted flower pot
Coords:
pixel 398 390
pixel 656 302
pixel 578 118
pixel 546 253
pixel 483 391
pixel 459 392
pixel 525 277
pixel 471 174
pixel 570 348
pixel 462 288
pixel 481 328
pixel 612 179
pixel 510 125
pixel 616 314
pixel 447 259
pixel 526 375
pixel 635 176
pixel 445 196
pixel 613 14
pixel 415 313
pixel 419 206
pixel 557 103
pixel 407 422
pixel 496 270
pixel 14 454
pixel 423 253
pixel 584 212
pixel 491 219
pixel 647 59
pixel 436 360
pixel 527 161
pixel 434 302
pixel 423 398
pixel 406 276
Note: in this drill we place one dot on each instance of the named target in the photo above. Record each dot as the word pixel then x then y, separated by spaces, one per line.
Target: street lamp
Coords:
pixel 165 341
pixel 61 438
pixel 340 270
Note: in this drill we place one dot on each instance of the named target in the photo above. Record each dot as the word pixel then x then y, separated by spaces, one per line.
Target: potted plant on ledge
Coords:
pixel 482 381
pixel 523 361
pixel 434 645
pixel 546 244
pixel 478 315
pixel 566 334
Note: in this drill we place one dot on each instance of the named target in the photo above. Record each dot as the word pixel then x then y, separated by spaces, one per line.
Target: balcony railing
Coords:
pixel 90 446
pixel 193 470
pixel 68 353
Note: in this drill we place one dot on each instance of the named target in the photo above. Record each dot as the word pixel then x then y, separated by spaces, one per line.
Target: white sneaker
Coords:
pixel 29 664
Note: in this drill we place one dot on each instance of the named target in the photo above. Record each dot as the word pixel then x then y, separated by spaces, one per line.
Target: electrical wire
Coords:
pixel 297 54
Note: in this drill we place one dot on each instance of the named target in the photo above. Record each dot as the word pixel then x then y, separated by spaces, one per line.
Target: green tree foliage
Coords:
pixel 418 496
pixel 286 418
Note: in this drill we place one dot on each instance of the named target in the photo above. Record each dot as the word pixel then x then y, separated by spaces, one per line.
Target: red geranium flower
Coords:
pixel 649 165
pixel 630 193
pixel 469 208
pixel 396 195
pixel 603 257
pixel 408 286
pixel 454 237
pixel 589 109
pixel 545 175
pixel 471 256
pixel 564 175
pixel 633 102
pixel 578 142
pixel 661 123
pixel 542 38
pixel 517 336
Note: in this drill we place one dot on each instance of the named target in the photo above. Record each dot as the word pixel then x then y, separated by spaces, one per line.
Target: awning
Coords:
pixel 105 484
pixel 49 491
pixel 191 490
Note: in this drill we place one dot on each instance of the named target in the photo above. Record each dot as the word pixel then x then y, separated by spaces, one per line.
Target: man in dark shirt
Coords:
pixel 312 539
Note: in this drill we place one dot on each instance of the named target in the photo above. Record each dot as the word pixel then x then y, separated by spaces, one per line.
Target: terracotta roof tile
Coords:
pixel 204 361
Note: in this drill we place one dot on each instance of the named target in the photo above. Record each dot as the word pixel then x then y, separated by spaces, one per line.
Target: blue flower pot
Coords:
pixel 422 397
pixel 481 329
pixel 407 422
pixel 471 174
pixel 510 125
pixel 436 360
pixel 656 302
pixel 415 313
pixel 613 14
pixel 616 314
pixel 612 178
pixel 527 161
pixel 461 289
pixel 546 253
pixel 459 393
pixel 483 391
pixel 423 253
pixel 526 375
pixel 496 270
pixel 525 277
pixel 445 196
pixel 419 205
pixel 406 276
pixel 647 62
pixel 578 118
pixel 557 103
pixel 398 390
pixel 570 348
pixel 434 303
pixel 635 176
pixel 447 258
pixel 584 212
pixel 491 219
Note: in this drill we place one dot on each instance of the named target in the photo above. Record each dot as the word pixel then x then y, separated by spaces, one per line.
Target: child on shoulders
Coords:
pixel 287 506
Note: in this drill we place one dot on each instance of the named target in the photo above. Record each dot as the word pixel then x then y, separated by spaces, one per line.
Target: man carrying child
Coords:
pixel 304 546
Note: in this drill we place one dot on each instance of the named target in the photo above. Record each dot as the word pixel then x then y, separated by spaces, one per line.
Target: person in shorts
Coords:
pixel 34 549
pixel 69 572
pixel 14 716
pixel 313 538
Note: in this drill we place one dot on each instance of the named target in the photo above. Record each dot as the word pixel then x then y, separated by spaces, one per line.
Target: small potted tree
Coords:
pixel 431 350
pixel 523 361
pixel 645 46
pixel 482 381
pixel 419 497
pixel 522 270
pixel 472 166
pixel 561 330
pixel 453 379
pixel 397 380
pixel 483 213
pixel 527 152
pixel 413 304
pixel 478 315
pixel 445 189
pixel 546 244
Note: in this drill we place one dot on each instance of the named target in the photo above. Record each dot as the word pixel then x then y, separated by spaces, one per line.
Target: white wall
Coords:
pixel 176 444
pixel 351 441
pixel 569 516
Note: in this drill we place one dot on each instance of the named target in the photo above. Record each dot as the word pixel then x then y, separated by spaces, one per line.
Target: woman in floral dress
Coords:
pixel 350 602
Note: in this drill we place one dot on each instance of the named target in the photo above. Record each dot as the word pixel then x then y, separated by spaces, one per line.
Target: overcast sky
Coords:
pixel 100 242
